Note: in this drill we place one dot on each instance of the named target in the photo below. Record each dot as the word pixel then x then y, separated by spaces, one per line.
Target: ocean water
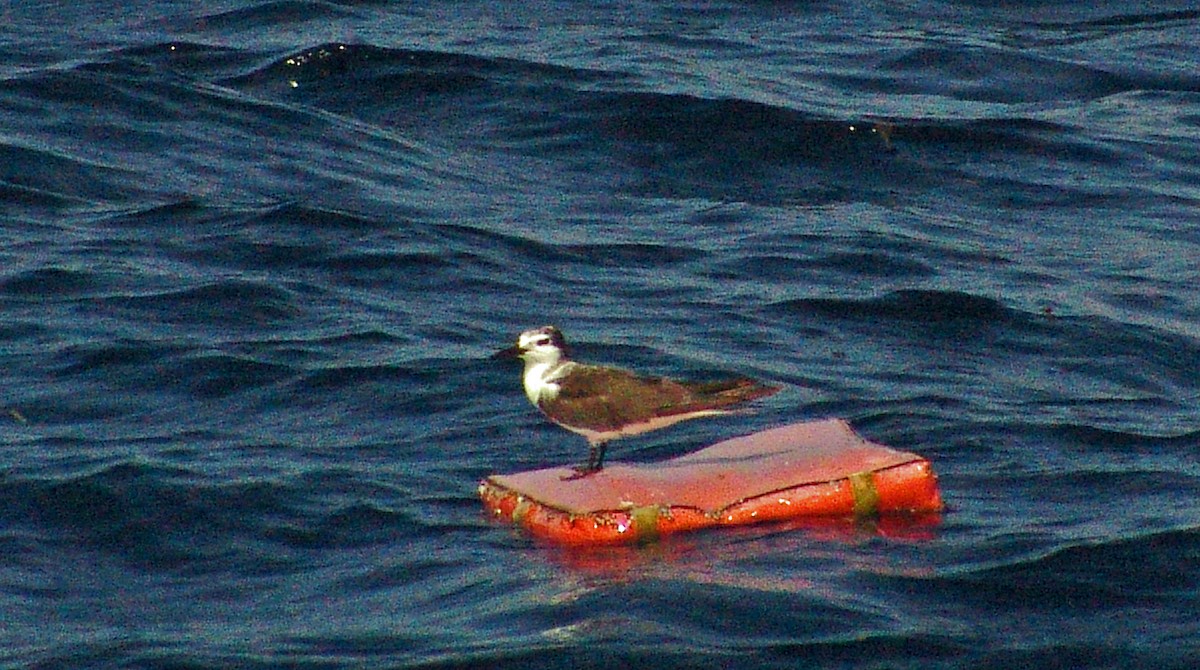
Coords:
pixel 254 256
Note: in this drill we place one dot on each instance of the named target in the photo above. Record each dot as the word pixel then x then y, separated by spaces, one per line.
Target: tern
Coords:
pixel 604 403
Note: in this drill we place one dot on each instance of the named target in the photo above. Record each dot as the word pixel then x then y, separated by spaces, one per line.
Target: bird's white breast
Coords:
pixel 540 380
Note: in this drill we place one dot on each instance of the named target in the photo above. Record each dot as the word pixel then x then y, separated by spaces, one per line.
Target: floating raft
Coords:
pixel 803 470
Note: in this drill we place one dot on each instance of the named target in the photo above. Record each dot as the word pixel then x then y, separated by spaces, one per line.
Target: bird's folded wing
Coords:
pixel 595 395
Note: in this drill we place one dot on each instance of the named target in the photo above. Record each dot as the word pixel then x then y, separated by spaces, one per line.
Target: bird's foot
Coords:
pixel 581 471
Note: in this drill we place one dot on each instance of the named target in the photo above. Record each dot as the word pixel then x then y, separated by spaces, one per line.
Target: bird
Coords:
pixel 604 403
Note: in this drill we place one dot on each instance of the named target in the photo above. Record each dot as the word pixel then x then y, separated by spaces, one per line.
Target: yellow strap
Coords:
pixel 866 496
pixel 645 521
pixel 522 508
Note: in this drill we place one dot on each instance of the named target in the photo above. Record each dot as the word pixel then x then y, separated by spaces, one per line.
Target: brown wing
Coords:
pixel 609 398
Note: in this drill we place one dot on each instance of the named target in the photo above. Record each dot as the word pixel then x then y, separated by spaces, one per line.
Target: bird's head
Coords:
pixel 539 345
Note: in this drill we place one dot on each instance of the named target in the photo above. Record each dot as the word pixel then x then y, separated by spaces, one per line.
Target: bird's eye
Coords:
pixel 542 341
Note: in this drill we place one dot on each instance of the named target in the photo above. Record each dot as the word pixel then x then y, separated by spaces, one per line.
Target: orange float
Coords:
pixel 818 469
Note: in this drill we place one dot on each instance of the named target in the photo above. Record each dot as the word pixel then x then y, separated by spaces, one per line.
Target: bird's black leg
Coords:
pixel 595 462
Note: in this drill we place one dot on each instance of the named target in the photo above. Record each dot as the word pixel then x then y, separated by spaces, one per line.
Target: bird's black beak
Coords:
pixel 507 354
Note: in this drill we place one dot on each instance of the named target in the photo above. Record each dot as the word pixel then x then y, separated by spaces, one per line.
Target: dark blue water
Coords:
pixel 253 256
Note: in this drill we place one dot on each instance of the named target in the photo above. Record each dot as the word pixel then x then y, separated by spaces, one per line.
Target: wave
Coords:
pixel 268 16
pixel 1105 27
pixel 923 306
pixel 45 178
pixel 1097 574
pixel 233 303
pixel 718 148
pixel 407 105
pixel 49 282
pixel 168 518
pixel 1083 337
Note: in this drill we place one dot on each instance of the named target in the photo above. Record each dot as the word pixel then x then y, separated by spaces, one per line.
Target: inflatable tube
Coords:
pixel 802 470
